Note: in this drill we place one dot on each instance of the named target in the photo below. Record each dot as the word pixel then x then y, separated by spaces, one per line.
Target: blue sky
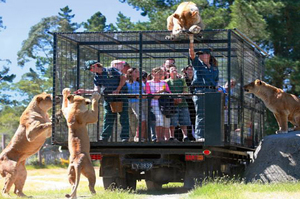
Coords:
pixel 20 15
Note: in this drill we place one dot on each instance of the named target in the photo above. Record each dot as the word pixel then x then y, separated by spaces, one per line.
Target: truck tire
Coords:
pixel 109 182
pixel 188 182
pixel 131 181
pixel 151 185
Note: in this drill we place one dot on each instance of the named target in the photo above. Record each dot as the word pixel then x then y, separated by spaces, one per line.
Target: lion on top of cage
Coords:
pixel 186 17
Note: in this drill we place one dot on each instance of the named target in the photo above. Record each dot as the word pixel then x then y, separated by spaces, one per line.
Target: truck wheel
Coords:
pixel 153 185
pixel 189 182
pixel 109 183
pixel 131 181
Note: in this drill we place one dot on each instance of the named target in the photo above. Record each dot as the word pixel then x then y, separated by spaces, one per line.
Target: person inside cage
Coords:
pixel 206 77
pixel 151 122
pixel 188 74
pixel 110 80
pixel 168 63
pixel 182 116
pixel 156 86
pixel 133 86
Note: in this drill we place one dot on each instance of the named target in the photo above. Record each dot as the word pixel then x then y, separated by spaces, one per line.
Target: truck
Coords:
pixel 233 124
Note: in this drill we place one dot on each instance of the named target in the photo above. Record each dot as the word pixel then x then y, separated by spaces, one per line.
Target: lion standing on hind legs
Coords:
pixel 77 115
pixel 284 106
pixel 34 128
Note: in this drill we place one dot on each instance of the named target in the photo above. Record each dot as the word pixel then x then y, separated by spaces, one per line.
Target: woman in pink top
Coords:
pixel 154 86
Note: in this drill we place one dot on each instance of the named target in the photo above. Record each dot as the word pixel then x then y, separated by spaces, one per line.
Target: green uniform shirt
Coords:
pixel 178 86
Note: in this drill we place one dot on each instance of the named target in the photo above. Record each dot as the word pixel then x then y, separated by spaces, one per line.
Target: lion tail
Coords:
pixel 76 164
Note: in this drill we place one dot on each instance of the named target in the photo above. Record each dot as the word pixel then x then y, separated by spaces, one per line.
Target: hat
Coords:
pixel 88 64
pixel 118 64
pixel 204 51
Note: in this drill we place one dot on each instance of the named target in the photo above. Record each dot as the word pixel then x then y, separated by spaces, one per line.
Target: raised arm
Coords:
pixel 191 49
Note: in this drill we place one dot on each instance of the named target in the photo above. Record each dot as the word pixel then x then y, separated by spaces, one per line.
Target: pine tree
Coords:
pixel 98 23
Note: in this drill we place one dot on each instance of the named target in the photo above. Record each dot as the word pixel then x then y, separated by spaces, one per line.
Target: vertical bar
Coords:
pixel 78 67
pixel 54 88
pixel 242 113
pixel 229 90
pixel 98 123
pixel 140 82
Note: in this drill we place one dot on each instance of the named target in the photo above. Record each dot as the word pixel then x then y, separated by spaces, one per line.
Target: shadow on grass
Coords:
pixel 164 191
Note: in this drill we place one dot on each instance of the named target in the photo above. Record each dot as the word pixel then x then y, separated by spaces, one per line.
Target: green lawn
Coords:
pixel 53 183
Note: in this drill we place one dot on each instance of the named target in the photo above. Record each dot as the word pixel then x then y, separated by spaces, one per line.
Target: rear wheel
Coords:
pixel 131 181
pixel 109 183
pixel 151 185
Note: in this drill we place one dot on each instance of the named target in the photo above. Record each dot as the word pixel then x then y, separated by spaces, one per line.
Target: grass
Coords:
pixel 53 183
pixel 235 190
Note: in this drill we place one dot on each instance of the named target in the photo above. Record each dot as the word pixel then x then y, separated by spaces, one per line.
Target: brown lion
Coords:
pixel 284 106
pixel 186 17
pixel 34 128
pixel 75 110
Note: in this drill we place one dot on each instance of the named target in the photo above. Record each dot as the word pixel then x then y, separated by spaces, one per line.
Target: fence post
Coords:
pixel 3 141
pixel 40 157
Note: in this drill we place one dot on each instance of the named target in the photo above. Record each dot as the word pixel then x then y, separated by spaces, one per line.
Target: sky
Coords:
pixel 20 15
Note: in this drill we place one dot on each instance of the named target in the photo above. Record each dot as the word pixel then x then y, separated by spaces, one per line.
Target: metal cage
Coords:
pixel 241 121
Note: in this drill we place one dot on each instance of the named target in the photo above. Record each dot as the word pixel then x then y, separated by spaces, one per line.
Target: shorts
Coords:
pixel 135 106
pixel 161 119
pixel 181 118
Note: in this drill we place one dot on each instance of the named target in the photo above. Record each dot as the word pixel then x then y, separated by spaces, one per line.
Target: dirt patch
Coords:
pixel 277 159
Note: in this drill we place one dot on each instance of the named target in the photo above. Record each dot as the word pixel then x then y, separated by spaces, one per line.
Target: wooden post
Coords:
pixel 40 157
pixel 3 141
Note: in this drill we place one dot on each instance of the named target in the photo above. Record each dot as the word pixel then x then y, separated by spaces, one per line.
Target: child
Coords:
pixel 182 117
pixel 154 86
pixel 133 86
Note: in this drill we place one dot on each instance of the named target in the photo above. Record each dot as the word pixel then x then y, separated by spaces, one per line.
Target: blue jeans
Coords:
pixel 109 120
pixel 199 102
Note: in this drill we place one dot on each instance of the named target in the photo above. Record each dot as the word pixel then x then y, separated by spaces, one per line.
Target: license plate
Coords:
pixel 194 157
pixel 145 166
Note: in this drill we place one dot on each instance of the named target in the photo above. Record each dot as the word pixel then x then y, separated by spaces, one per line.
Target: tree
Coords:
pixel 9 119
pixel 1 21
pixel 65 22
pixel 97 23
pixel 5 85
pixel 38 47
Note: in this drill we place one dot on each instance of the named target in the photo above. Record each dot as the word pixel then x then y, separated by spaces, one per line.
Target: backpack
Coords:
pixel 167 106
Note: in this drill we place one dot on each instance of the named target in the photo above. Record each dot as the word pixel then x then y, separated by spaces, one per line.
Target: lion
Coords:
pixel 75 110
pixel 34 128
pixel 284 106
pixel 186 17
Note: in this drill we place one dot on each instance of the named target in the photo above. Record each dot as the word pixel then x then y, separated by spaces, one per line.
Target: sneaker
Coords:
pixel 200 139
pixel 186 139
pixel 124 140
pixel 135 139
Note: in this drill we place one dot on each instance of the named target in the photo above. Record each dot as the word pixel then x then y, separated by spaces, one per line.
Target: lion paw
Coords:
pixel 96 96
pixel 177 32
pixel 170 38
pixel 66 91
pixel 195 29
